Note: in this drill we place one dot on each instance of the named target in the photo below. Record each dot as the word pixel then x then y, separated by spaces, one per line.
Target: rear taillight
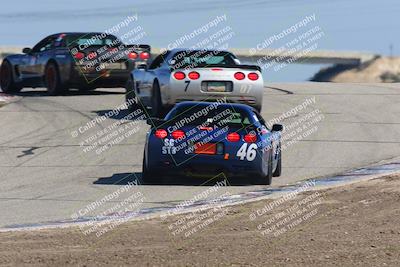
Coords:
pixel 194 75
pixel 79 55
pixel 178 134
pixel 160 133
pixel 239 76
pixel 250 138
pixel 252 76
pixel 132 55
pixel 233 137
pixel 179 75
pixel 144 55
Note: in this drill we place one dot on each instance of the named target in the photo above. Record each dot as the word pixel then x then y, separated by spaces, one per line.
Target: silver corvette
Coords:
pixel 194 75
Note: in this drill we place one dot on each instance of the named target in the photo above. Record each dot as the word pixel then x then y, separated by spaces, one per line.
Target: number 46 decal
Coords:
pixel 248 152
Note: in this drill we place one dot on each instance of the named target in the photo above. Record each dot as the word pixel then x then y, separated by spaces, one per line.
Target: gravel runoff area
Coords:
pixel 353 225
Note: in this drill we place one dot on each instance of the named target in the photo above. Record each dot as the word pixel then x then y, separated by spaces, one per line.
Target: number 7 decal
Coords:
pixel 187 85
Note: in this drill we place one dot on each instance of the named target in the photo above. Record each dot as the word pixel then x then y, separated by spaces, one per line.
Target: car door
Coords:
pixel 28 60
pixel 33 62
pixel 42 56
pixel 145 85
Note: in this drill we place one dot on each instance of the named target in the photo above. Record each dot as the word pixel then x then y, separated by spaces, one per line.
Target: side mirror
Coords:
pixel 26 50
pixel 155 122
pixel 142 67
pixel 277 128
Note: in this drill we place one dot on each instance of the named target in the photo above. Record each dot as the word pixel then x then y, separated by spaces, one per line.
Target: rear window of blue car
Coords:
pixel 209 116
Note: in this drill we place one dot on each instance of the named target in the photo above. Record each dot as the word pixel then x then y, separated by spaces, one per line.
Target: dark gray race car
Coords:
pixel 72 60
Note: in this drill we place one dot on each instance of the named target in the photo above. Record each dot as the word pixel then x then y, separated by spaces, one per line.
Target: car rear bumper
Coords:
pixel 240 91
pixel 252 97
pixel 206 166
pixel 105 78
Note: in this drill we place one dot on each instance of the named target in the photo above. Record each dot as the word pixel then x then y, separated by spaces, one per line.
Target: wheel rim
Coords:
pixel 5 76
pixel 51 78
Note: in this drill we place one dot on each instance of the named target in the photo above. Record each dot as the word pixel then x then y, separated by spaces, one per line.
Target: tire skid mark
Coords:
pixel 49 135
pixel 280 89
pixel 31 135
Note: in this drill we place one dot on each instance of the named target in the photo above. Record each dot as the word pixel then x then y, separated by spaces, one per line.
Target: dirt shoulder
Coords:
pixel 380 70
pixel 356 225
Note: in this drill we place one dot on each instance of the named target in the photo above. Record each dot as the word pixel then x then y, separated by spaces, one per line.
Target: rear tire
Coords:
pixel 278 169
pixel 7 82
pixel 157 109
pixel 145 172
pixel 130 96
pixel 265 180
pixel 52 80
pixel 148 177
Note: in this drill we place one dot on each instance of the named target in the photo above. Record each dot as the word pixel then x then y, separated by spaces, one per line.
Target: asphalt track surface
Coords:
pixel 46 176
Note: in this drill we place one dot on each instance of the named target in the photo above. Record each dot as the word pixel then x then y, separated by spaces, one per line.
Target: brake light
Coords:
pixel 178 134
pixel 239 76
pixel 79 55
pixel 161 133
pixel 252 76
pixel 132 55
pixel 179 75
pixel 144 55
pixel 216 69
pixel 233 137
pixel 194 75
pixel 250 138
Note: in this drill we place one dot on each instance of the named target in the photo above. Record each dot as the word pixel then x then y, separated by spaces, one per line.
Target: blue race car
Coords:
pixel 207 139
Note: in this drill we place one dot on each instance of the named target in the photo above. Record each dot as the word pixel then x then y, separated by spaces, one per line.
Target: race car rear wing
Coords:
pixel 241 66
pixel 143 47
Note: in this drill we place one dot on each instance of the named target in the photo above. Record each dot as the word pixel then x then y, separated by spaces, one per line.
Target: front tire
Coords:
pixel 52 80
pixel 7 82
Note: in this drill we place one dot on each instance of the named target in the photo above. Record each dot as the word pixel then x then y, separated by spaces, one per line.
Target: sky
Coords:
pixel 350 25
